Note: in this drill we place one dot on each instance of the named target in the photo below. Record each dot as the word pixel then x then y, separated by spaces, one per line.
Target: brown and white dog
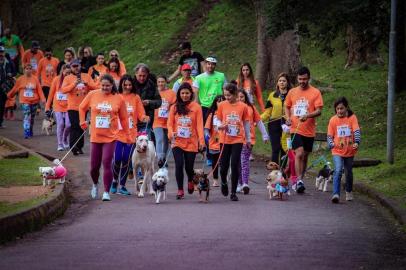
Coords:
pixel 277 184
pixel 272 166
pixel 144 157
pixel 202 183
pixel 47 124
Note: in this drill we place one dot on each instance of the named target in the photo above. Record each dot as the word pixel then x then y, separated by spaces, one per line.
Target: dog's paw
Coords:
pixel 140 195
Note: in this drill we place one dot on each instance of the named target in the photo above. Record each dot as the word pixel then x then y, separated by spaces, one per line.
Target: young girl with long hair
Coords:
pixel 247 81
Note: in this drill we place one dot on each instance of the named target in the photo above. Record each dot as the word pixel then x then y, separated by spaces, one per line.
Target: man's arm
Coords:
pixel 175 74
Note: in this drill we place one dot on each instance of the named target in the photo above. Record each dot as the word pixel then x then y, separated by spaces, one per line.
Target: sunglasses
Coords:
pixel 113 55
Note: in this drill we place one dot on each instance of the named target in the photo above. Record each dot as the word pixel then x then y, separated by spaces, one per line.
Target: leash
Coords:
pixel 73 146
pixel 218 161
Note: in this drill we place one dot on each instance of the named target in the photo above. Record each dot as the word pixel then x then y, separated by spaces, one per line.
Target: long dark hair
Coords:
pixel 288 86
pixel 126 77
pixel 109 78
pixel 114 60
pixel 344 101
pixel 64 66
pixel 213 107
pixel 247 101
pixel 181 106
pixel 251 78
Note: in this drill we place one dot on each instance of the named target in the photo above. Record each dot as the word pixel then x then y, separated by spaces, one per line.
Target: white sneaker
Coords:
pixel 106 197
pixel 294 187
pixel 239 188
pixel 94 191
pixel 335 198
pixel 348 196
pixel 252 158
pixel 60 148
pixel 245 189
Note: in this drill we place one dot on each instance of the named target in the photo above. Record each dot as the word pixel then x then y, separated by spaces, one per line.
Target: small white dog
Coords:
pixel 277 184
pixel 53 173
pixel 325 175
pixel 144 157
pixel 159 181
pixel 47 126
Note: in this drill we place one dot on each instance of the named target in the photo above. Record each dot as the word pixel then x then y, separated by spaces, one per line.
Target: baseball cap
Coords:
pixel 35 44
pixel 2 49
pixel 211 59
pixel 75 62
pixel 185 67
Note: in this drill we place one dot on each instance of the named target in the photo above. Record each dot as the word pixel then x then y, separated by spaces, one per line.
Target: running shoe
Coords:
pixel 239 188
pixel 106 197
pixel 348 196
pixel 245 189
pixel 66 146
pixel 60 148
pixel 224 189
pixel 300 187
pixel 190 187
pixel 94 191
pixel 113 188
pixel 180 194
pixel 124 191
pixel 208 162
pixel 252 158
pixel 80 151
pixel 233 197
pixel 216 183
pixel 335 198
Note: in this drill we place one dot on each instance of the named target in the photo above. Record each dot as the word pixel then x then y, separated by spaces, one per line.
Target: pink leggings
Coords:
pixel 102 152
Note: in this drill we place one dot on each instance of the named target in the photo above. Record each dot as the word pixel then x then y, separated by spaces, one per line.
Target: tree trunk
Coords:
pixel 401 47
pixel 362 47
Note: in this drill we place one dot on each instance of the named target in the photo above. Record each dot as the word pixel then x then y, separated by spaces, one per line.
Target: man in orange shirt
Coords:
pixel 32 56
pixel 47 70
pixel 302 105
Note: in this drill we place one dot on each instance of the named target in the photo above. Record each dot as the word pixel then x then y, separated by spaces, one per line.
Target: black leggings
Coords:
pixel 275 132
pixel 183 159
pixel 75 130
pixel 230 152
pixel 214 159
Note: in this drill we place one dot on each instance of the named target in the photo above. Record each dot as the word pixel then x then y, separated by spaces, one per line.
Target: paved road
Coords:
pixel 304 232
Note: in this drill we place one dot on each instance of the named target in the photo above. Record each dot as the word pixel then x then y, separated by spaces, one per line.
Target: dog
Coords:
pixel 47 125
pixel 277 184
pixel 159 181
pixel 57 172
pixel 324 176
pixel 272 166
pixel 144 157
pixel 202 183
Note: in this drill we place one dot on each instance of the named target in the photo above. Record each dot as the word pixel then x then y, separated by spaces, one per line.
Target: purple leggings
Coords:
pixel 245 165
pixel 102 152
pixel 62 128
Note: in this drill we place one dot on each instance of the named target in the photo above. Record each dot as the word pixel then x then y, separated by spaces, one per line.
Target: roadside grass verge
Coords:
pixel 21 171
pixel 8 208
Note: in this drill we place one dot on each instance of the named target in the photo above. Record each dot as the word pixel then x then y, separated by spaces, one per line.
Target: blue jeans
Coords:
pixel 161 138
pixel 122 160
pixel 339 163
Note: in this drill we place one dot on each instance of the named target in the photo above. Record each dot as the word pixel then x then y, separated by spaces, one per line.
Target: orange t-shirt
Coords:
pixel 56 98
pixel 258 92
pixel 116 78
pixel 254 117
pixel 47 70
pixel 29 90
pixel 33 59
pixel 233 115
pixel 106 110
pixel 101 69
pixel 214 141
pixel 300 102
pixel 122 68
pixel 135 111
pixel 342 132
pixel 188 128
pixel 76 93
pixel 161 114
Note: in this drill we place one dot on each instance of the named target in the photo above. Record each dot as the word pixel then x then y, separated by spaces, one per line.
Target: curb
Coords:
pixel 32 219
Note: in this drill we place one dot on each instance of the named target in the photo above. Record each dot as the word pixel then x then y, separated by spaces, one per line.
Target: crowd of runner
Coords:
pixel 202 112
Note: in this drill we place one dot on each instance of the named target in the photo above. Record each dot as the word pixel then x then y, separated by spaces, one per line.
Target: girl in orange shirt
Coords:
pixel 255 121
pixel 30 93
pixel 234 123
pixel 124 147
pixel 99 69
pixel 343 138
pixel 247 81
pixel 108 109
pixel 185 131
pixel 113 68
pixel 59 102
pixel 161 118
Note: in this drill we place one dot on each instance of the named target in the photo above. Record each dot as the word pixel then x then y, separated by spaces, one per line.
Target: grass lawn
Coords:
pixel 21 171
pixel 8 208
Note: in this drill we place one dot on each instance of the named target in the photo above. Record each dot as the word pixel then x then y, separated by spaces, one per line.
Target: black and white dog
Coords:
pixel 325 175
pixel 159 181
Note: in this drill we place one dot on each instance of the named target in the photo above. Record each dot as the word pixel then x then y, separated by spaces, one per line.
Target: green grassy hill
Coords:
pixel 143 30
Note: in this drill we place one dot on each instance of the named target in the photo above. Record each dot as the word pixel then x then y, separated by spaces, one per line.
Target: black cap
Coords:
pixel 35 44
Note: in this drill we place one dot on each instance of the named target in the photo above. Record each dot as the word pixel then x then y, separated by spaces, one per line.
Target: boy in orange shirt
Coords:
pixel 302 105
pixel 30 94
pixel 343 137
pixel 47 71
pixel 32 57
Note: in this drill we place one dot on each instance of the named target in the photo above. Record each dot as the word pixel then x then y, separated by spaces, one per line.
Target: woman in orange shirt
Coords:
pixel 247 81
pixel 99 69
pixel 108 109
pixel 113 68
pixel 59 102
pixel 185 131
pixel 234 123
pixel 124 147
pixel 30 94
pixel 161 118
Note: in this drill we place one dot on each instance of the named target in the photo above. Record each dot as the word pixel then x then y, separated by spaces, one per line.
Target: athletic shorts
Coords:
pixel 302 141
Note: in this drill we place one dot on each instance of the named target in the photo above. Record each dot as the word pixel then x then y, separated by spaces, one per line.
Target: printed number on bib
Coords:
pixel 61 96
pixel 34 63
pixel 29 92
pixel 343 131
pixel 300 109
pixel 102 121
pixel 163 113
pixel 184 132
pixel 232 130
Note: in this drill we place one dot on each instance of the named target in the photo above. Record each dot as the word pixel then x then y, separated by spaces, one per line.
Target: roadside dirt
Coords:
pixel 22 193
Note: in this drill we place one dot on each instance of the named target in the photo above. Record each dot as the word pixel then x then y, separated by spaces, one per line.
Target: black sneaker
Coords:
pixel 224 189
pixel 233 197
pixel 80 151
pixel 300 188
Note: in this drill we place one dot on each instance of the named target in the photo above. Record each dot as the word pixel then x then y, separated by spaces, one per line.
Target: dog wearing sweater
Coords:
pixel 57 172
pixel 159 181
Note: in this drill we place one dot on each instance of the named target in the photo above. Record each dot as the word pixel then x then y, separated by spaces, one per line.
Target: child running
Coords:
pixel 255 121
pixel 212 137
pixel 343 137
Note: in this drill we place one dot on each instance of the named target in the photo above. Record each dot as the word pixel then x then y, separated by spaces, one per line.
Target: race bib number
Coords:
pixel 184 132
pixel 102 121
pixel 163 112
pixel 61 96
pixel 33 63
pixel 300 109
pixel 232 130
pixel 28 92
pixel 130 109
pixel 343 131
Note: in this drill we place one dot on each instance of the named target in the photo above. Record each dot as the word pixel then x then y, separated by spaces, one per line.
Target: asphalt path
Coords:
pixel 303 232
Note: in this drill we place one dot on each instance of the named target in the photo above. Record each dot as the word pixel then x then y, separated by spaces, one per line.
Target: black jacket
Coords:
pixel 149 91
pixel 7 72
